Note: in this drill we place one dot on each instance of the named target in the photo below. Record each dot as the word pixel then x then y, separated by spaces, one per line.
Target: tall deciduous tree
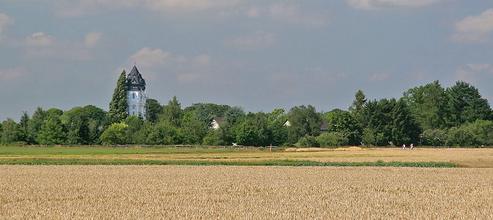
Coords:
pixel 52 132
pixel 405 130
pixel 118 105
pixel 153 109
pixel 192 128
pixel 11 132
pixel 253 130
pixel 35 124
pixel 345 123
pixel 356 109
pixel 304 120
pixel 428 105
pixel 465 104
pixel 172 112
pixel 24 127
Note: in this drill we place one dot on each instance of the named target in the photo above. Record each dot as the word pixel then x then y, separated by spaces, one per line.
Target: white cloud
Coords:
pixel 148 57
pixel 376 4
pixel 40 39
pixel 256 40
pixel 81 7
pixel 10 74
pixel 92 39
pixel 292 14
pixel 5 21
pixel 474 28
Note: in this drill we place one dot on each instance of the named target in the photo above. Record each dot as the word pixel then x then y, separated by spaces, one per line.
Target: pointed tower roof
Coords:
pixel 135 80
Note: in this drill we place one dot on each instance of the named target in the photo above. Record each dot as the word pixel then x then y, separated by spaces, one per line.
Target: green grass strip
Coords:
pixel 222 163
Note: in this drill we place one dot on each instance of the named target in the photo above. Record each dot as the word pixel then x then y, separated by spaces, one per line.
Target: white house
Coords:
pixel 216 123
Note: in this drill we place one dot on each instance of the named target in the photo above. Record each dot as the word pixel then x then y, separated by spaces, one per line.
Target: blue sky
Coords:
pixel 255 54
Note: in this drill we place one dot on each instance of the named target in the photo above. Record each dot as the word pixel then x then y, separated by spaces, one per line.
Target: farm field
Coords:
pixel 230 192
pixel 461 157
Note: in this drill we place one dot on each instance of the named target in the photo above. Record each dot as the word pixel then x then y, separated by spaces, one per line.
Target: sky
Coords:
pixel 256 54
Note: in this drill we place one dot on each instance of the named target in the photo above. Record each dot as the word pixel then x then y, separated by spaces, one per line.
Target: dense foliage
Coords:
pixel 426 115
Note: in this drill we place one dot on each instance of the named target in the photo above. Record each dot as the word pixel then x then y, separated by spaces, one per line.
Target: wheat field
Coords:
pixel 217 192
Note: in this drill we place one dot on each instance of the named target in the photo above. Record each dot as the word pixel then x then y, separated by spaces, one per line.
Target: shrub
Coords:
pixel 434 137
pixel 307 141
pixel 115 134
pixel 332 139
pixel 213 138
pixel 460 136
pixel 372 138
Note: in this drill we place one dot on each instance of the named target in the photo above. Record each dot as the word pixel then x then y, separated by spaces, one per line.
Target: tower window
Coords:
pixel 133 107
pixel 133 95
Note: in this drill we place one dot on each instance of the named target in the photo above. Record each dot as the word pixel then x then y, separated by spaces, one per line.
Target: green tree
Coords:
pixel 153 109
pixel 254 130
pixel 428 105
pixel 172 112
pixel 52 132
pixel 378 122
pixel 84 124
pixel 465 104
pixel 279 132
pixel 115 134
pixel 118 105
pixel 304 121
pixel 35 124
pixel 24 127
pixel 97 121
pixel 372 137
pixel 163 133
pixel 345 123
pixel 405 130
pixel 356 109
pixel 207 111
pixel 135 125
pixel 193 129
pixel 11 132
pixel 77 126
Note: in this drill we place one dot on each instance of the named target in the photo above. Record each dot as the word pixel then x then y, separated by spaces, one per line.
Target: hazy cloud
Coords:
pixel 41 45
pixel 81 7
pixel 378 77
pixel 10 74
pixel 256 40
pixel 376 4
pixel 292 14
pixel 474 28
pixel 40 39
pixel 149 57
pixel 474 73
pixel 92 39
pixel 5 20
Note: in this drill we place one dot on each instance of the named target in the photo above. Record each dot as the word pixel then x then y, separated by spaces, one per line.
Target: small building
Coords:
pixel 216 123
pixel 324 126
pixel 287 124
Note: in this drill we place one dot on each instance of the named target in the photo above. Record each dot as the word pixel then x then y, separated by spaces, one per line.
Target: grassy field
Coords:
pixel 230 192
pixel 352 156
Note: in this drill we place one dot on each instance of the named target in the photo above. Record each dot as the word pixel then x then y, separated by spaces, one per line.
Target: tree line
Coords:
pixel 426 115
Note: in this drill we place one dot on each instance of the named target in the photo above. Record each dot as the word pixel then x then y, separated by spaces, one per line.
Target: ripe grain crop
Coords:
pixel 197 192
